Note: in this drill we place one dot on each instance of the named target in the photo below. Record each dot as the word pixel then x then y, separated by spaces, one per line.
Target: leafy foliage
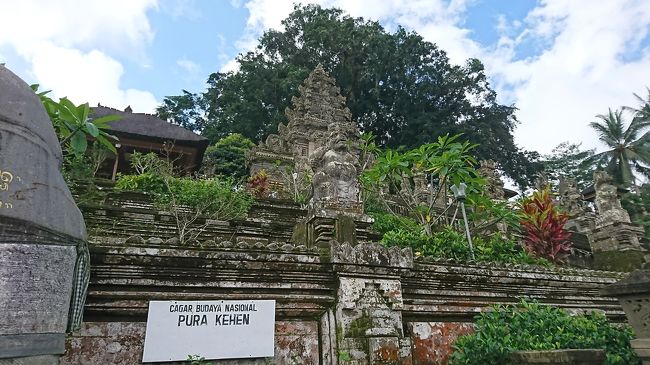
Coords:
pixel 532 326
pixel 451 244
pixel 147 183
pixel 187 199
pixel 444 162
pixel 398 86
pixel 74 126
pixel 387 222
pixel 258 185
pixel 150 163
pixel 215 197
pixel 638 205
pixel 227 157
pixel 629 148
pixel 543 224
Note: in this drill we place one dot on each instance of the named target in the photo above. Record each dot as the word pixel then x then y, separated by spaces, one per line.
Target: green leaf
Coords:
pixel 102 122
pixel 79 142
pixel 92 129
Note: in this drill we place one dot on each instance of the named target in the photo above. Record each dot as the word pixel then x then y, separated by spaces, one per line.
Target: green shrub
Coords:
pixel 215 197
pixel 386 222
pixel 450 244
pixel 147 182
pixel 532 326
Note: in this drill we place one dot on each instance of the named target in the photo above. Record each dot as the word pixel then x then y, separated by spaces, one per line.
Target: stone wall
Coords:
pixel 348 305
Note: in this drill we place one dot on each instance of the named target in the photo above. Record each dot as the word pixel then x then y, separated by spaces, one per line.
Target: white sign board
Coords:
pixel 215 329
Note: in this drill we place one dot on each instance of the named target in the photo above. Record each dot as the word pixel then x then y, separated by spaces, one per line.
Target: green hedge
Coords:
pixel 450 244
pixel 215 197
pixel 532 326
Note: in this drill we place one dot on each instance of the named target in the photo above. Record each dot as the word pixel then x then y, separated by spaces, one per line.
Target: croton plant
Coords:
pixel 543 225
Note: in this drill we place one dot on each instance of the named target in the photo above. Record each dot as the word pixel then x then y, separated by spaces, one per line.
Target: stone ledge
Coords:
pixel 371 254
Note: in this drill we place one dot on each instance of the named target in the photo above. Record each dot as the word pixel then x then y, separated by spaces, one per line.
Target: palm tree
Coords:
pixel 629 148
pixel 643 111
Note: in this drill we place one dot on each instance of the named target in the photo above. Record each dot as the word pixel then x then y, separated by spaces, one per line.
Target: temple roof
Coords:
pixel 147 125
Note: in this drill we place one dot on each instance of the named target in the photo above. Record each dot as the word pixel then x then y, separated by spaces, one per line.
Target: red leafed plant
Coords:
pixel 258 184
pixel 545 236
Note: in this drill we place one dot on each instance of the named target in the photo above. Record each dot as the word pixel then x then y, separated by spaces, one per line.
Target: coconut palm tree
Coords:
pixel 643 111
pixel 629 148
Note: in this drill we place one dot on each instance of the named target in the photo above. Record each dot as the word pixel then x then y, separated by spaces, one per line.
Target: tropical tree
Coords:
pixel 227 157
pixel 628 148
pixel 397 86
pixel 569 160
pixel 643 111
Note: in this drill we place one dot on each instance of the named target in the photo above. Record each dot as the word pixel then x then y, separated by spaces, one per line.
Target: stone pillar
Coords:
pixel 40 230
pixel 368 313
pixel 633 293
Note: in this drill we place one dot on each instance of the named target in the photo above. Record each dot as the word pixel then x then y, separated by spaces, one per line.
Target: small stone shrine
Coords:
pixel 320 143
pixel 320 104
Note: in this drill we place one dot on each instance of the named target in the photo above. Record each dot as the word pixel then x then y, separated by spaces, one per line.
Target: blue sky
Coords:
pixel 560 62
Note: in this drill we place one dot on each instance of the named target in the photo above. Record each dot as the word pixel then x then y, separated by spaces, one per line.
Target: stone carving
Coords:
pixel 570 198
pixel 615 241
pixel 607 203
pixel 494 186
pixel 319 105
pixel 336 169
pixel 633 293
pixel 541 181
pixel 372 254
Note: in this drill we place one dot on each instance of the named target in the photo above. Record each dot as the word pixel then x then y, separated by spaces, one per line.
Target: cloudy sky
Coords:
pixel 560 62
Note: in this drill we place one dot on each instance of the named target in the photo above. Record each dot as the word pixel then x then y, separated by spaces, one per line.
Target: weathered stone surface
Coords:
pixel 607 203
pixel 633 293
pixel 30 158
pixel 372 254
pixel 494 184
pixel 559 357
pixel 433 341
pixel 337 169
pixel 122 343
pixel 358 303
pixel 318 105
pixel 40 227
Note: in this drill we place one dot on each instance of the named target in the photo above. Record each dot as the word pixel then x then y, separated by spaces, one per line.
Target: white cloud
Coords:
pixel 93 77
pixel 67 45
pixel 181 9
pixel 580 72
pixel 189 66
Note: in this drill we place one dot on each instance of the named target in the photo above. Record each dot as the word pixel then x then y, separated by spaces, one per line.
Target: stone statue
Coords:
pixel 570 198
pixel 494 186
pixel 336 169
pixel 608 205
pixel 541 181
